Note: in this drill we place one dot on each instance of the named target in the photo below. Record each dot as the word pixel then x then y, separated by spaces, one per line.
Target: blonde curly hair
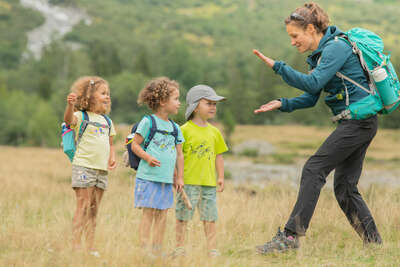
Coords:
pixel 157 90
pixel 84 88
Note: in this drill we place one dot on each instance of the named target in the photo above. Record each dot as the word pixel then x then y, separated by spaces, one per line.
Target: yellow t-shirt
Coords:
pixel 201 146
pixel 94 148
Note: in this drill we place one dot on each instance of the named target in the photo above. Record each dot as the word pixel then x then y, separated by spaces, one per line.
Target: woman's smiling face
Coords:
pixel 302 39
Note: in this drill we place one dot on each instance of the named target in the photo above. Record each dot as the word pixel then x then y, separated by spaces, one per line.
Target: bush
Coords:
pixel 27 120
pixel 250 153
pixel 43 129
pixel 15 110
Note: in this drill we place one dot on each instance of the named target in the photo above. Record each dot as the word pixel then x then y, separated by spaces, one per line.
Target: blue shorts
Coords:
pixel 155 195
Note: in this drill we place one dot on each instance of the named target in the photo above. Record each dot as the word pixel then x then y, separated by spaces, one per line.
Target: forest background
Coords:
pixel 192 41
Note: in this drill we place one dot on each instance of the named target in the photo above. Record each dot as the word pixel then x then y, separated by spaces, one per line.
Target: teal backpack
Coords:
pixel 383 82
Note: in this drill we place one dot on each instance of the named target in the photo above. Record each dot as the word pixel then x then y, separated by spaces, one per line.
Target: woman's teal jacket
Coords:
pixel 336 56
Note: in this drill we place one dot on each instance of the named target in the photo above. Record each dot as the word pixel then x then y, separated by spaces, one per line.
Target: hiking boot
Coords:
pixel 279 243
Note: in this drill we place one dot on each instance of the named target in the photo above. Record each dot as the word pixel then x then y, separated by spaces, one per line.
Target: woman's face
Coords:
pixel 303 39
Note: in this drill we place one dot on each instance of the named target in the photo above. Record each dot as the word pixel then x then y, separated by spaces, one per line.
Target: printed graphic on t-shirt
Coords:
pixel 98 130
pixel 164 142
pixel 202 151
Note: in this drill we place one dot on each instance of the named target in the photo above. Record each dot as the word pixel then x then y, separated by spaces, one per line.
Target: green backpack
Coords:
pixel 383 82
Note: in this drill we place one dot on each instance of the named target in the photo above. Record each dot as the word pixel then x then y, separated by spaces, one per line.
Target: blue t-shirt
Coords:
pixel 162 147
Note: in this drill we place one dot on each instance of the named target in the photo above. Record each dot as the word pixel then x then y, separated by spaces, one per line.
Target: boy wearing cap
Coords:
pixel 204 166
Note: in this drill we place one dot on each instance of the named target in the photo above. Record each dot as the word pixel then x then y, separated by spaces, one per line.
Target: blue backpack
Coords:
pixel 134 159
pixel 69 142
pixel 384 85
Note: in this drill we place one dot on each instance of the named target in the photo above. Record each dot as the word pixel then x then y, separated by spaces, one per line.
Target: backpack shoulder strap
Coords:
pixel 175 131
pixel 83 126
pixel 108 122
pixel 152 131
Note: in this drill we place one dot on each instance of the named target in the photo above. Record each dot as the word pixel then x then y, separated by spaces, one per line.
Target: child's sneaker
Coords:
pixel 279 243
pixel 178 252
pixel 214 253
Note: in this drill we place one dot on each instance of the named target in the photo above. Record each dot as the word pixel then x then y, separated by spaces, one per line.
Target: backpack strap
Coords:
pixel 152 131
pixel 364 65
pixel 108 122
pixel 175 131
pixel 83 126
pixel 343 77
pixel 86 122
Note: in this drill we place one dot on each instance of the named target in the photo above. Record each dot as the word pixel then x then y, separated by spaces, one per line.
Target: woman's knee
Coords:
pixel 344 191
pixel 340 192
pixel 313 173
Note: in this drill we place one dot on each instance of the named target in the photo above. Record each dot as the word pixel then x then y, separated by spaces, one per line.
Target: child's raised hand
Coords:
pixel 71 98
pixel 153 162
pixel 221 184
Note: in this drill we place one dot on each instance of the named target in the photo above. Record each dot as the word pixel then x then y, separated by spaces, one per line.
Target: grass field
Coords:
pixel 37 205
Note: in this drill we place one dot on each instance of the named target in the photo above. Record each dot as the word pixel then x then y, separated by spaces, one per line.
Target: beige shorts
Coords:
pixel 83 177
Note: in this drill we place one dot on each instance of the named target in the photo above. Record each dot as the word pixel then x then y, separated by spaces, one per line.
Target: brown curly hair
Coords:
pixel 310 13
pixel 157 90
pixel 84 88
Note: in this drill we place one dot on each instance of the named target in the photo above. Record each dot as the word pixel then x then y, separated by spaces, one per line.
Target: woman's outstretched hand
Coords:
pixel 272 105
pixel 270 62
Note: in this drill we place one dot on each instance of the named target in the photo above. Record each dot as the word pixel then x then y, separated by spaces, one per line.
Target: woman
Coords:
pixel 344 150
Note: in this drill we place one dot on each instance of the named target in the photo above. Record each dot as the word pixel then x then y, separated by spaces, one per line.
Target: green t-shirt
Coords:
pixel 93 150
pixel 201 146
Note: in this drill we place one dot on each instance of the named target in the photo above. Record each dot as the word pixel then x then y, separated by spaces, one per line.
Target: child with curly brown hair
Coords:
pixel 155 173
pixel 87 106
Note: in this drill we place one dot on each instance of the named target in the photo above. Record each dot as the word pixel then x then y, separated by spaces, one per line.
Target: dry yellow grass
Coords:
pixel 304 140
pixel 37 204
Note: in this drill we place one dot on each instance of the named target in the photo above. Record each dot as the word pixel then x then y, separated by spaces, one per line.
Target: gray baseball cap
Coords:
pixel 198 92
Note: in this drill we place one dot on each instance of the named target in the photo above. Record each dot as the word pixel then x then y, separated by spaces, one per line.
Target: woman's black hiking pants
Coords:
pixel 343 151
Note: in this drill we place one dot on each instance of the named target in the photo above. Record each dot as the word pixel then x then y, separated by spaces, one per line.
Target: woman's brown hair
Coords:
pixel 84 88
pixel 157 90
pixel 310 13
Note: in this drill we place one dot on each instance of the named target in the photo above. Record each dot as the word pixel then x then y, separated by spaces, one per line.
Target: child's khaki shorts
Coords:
pixel 83 177
pixel 202 197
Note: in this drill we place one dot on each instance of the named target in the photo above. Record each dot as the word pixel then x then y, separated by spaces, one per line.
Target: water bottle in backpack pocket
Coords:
pixel 382 82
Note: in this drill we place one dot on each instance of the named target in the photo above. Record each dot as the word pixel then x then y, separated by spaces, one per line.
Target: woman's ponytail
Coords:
pixel 310 13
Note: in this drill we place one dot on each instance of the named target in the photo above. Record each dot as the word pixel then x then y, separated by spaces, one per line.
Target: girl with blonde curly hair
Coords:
pixel 87 105
pixel 155 173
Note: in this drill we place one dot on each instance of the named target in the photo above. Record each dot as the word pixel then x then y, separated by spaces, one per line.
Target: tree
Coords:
pixel 228 121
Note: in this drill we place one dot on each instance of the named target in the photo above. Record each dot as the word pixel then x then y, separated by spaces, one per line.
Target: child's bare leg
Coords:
pixel 145 226
pixel 210 231
pixel 80 218
pixel 160 222
pixel 180 233
pixel 96 195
